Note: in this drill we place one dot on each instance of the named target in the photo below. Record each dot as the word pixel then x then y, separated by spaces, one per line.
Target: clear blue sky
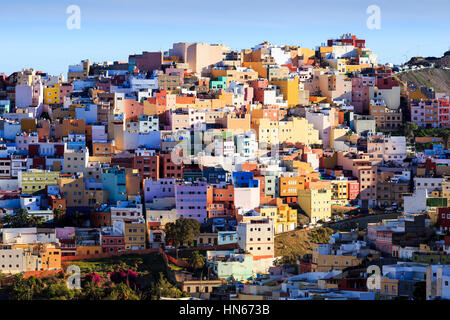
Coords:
pixel 34 33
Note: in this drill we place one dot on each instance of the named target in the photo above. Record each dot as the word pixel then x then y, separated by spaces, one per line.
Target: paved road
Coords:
pixel 361 221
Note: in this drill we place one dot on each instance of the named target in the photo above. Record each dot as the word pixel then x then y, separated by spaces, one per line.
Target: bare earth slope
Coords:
pixel 439 79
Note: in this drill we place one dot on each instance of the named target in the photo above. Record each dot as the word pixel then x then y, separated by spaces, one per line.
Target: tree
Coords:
pixel 420 290
pixel 34 221
pixel 183 231
pixel 196 260
pixel 7 219
pixel 445 134
pixel 77 218
pixel 92 291
pixel 59 291
pixel 165 289
pixel 58 215
pixel 122 292
pixel 138 262
pixel 21 289
pixel 21 219
pixel 409 128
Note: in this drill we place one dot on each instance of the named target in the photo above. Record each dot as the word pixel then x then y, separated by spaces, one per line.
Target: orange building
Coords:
pixel 50 257
pixel 220 201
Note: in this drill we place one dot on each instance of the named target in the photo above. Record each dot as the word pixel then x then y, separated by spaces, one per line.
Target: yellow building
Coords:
pixel 259 66
pixel 268 211
pixel 326 262
pixel 51 95
pixel 85 250
pixel 73 189
pixel 316 203
pixel 286 219
pixel 35 180
pixel 28 125
pixel 293 130
pixel 238 75
pixel 338 134
pixel 135 235
pixel 339 195
pixel 350 68
pixel 416 94
pixel 289 88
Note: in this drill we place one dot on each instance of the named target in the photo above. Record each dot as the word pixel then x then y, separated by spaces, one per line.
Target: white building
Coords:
pixel 247 198
pixel 246 144
pixel 28 236
pixel 128 212
pixel 75 161
pixel 429 184
pixel 257 238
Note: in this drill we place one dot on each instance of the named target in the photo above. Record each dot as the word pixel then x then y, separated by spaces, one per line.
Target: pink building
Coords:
pixel 23 140
pixel 248 95
pixel 384 240
pixel 178 71
pixel 258 89
pixel 418 113
pixel 64 90
pixel 361 93
pixel 133 108
pixel 191 200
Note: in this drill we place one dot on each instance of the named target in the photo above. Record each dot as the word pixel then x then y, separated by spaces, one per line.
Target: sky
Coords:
pixel 34 34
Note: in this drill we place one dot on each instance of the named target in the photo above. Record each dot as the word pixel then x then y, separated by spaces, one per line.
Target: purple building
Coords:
pixel 161 188
pixel 191 200
pixel 147 61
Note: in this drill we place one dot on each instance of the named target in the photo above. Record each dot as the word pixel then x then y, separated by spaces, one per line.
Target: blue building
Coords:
pixel 227 237
pixel 244 180
pixel 216 175
pixel 114 180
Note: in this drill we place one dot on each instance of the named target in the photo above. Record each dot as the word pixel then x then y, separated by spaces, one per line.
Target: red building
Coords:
pixel 148 166
pixel 304 266
pixel 353 284
pixel 353 189
pixel 347 39
pixel 384 240
pixel 444 219
pixel 57 202
pixel 68 247
pixel 444 113
pixel 100 218
pixel 385 83
pixel 168 169
pixel 112 243
pixel 258 89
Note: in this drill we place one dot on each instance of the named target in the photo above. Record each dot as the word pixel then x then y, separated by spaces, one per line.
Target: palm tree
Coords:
pixel 77 218
pixel 409 129
pixel 196 260
pixel 35 220
pixel 445 135
pixel 57 215
pixel 21 218
pixel 7 219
